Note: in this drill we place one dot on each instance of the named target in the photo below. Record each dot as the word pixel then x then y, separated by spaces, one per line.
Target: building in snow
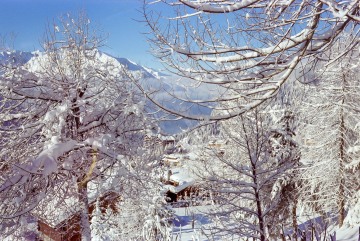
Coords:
pixel 66 227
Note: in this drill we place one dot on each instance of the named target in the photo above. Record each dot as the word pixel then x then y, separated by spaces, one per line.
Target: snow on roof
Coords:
pixel 167 138
pixel 179 188
pixel 64 203
pixel 217 142
pixel 56 208
pixel 181 176
pixel 170 157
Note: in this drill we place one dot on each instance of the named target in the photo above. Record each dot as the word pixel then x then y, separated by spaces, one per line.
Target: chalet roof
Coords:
pixel 181 176
pixel 167 138
pixel 171 157
pixel 55 209
pixel 217 142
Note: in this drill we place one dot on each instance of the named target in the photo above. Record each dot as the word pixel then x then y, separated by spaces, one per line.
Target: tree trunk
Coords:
pixel 258 204
pixel 341 202
pixel 84 212
pixel 294 219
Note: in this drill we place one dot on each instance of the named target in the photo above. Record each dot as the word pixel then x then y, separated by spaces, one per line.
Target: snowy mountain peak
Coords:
pixel 148 72
pixel 20 58
pixel 15 57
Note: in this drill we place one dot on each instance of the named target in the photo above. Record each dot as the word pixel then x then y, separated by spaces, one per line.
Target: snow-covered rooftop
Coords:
pixel 181 176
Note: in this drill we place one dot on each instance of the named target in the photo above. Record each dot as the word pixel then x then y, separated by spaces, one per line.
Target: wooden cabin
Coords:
pixel 70 229
pixel 179 184
pixel 218 146
pixel 159 143
pixel 171 161
pixel 168 141
pixel 217 143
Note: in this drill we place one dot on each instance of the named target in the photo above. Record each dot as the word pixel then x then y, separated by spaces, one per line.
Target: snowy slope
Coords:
pixel 148 73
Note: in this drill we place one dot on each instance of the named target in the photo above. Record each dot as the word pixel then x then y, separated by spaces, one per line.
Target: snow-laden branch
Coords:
pixel 219 7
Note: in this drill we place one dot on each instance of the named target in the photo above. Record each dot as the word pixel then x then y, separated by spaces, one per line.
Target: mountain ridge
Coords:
pixel 152 80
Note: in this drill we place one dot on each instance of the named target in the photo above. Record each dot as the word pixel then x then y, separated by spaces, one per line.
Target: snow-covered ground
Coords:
pixel 348 234
pixel 190 222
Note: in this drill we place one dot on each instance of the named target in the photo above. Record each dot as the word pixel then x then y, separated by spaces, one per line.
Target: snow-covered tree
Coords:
pixel 330 132
pixel 142 212
pixel 249 174
pixel 285 154
pixel 157 220
pixel 236 43
pixel 67 117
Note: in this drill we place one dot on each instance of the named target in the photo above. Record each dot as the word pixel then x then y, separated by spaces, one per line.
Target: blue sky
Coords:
pixel 28 19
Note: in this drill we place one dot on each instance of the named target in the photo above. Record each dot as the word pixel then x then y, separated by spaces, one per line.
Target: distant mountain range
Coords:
pixel 15 57
pixel 148 72
pixel 153 80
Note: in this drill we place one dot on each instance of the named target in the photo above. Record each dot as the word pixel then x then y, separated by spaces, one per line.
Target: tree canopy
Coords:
pixel 250 48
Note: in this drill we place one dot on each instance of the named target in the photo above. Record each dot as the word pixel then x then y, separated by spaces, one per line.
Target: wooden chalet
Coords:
pixel 217 143
pixel 171 161
pixel 159 142
pixel 69 229
pixel 179 184
pixel 168 141
pixel 181 189
pixel 218 146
